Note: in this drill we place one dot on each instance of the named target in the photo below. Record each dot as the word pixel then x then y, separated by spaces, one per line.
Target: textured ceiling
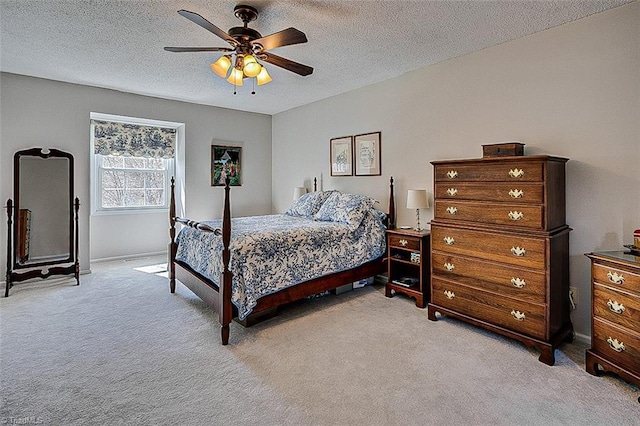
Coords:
pixel 118 44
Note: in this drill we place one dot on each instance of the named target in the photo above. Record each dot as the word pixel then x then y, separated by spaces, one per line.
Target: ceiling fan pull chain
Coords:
pixel 253 80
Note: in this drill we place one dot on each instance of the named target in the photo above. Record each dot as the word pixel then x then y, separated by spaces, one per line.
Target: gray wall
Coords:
pixel 44 113
pixel 571 91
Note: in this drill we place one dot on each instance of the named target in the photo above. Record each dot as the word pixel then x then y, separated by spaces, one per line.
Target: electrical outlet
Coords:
pixel 573 296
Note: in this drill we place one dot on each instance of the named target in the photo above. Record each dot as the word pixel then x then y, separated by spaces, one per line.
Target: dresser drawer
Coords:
pixel 517 171
pixel 513 249
pixel 404 242
pixel 618 307
pixel 528 216
pixel 516 315
pixel 616 277
pixel 519 283
pixel 531 193
pixel 616 344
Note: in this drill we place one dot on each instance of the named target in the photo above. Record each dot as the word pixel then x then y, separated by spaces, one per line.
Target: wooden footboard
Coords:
pixel 219 297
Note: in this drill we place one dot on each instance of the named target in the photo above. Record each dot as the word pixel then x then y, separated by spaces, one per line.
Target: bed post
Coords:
pixel 392 207
pixel 76 261
pixel 315 184
pixel 171 251
pixel 225 311
pixel 10 252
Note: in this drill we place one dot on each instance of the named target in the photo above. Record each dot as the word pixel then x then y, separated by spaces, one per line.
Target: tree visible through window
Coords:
pixel 132 182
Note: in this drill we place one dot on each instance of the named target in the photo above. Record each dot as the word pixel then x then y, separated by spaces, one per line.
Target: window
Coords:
pixel 133 161
pixel 132 182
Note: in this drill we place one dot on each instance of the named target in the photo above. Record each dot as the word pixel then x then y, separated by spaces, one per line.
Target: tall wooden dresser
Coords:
pixel 500 248
pixel 615 315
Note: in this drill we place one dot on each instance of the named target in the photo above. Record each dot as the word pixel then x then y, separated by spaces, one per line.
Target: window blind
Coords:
pixel 114 138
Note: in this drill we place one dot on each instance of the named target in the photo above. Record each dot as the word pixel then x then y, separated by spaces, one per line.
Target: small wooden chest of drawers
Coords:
pixel 500 248
pixel 615 315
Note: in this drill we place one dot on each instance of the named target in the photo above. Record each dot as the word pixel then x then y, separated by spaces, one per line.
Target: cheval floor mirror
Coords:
pixel 42 218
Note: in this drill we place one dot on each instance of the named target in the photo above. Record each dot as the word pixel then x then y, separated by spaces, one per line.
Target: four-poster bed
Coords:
pixel 220 291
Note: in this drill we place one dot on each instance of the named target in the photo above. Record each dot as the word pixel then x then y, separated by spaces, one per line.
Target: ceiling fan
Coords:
pixel 247 47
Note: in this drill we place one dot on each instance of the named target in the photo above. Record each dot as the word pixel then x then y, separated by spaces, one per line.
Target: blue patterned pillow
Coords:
pixel 380 216
pixel 345 208
pixel 308 204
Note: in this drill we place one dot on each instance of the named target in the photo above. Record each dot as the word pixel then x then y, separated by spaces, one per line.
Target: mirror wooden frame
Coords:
pixel 21 271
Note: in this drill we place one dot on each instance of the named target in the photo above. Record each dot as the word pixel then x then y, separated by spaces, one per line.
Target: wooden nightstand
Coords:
pixel 408 264
pixel 615 315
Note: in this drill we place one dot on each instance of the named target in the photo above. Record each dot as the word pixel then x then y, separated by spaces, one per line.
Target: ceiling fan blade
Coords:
pixel 286 64
pixel 198 49
pixel 282 38
pixel 195 18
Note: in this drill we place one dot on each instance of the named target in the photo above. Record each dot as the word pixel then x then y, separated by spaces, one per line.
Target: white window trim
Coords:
pixel 96 209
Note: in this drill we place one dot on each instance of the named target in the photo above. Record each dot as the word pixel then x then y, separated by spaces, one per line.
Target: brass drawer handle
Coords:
pixel 615 278
pixel 516 215
pixel 449 294
pixel 449 266
pixel 452 174
pixel 516 173
pixel 449 241
pixel 452 210
pixel 520 316
pixel 452 192
pixel 615 307
pixel 518 251
pixel 516 193
pixel 403 242
pixel 518 282
pixel 616 345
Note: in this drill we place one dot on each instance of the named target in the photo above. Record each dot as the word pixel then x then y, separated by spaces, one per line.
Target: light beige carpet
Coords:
pixel 121 350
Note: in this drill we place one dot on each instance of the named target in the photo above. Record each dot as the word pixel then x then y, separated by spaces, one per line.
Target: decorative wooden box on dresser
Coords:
pixel 615 315
pixel 500 248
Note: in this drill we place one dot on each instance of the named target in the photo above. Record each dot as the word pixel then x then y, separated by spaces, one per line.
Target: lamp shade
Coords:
pixel 298 192
pixel 236 77
pixel 263 77
pixel 221 66
pixel 417 199
pixel 251 67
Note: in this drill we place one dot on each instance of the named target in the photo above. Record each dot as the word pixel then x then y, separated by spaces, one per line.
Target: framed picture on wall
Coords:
pixel 341 156
pixel 226 161
pixel 367 154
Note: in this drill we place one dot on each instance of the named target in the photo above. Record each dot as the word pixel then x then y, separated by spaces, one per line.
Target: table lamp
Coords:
pixel 417 199
pixel 298 192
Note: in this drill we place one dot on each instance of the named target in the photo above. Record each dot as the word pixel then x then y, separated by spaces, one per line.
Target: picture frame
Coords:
pixel 226 161
pixel 367 154
pixel 341 156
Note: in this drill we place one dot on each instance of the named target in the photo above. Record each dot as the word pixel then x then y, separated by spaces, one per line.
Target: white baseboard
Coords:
pixel 583 338
pixel 129 257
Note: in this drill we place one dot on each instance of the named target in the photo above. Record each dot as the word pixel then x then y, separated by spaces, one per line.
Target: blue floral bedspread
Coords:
pixel 269 253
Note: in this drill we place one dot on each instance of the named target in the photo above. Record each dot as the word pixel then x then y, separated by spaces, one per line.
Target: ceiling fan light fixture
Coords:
pixel 236 77
pixel 221 66
pixel 248 46
pixel 263 77
pixel 251 67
